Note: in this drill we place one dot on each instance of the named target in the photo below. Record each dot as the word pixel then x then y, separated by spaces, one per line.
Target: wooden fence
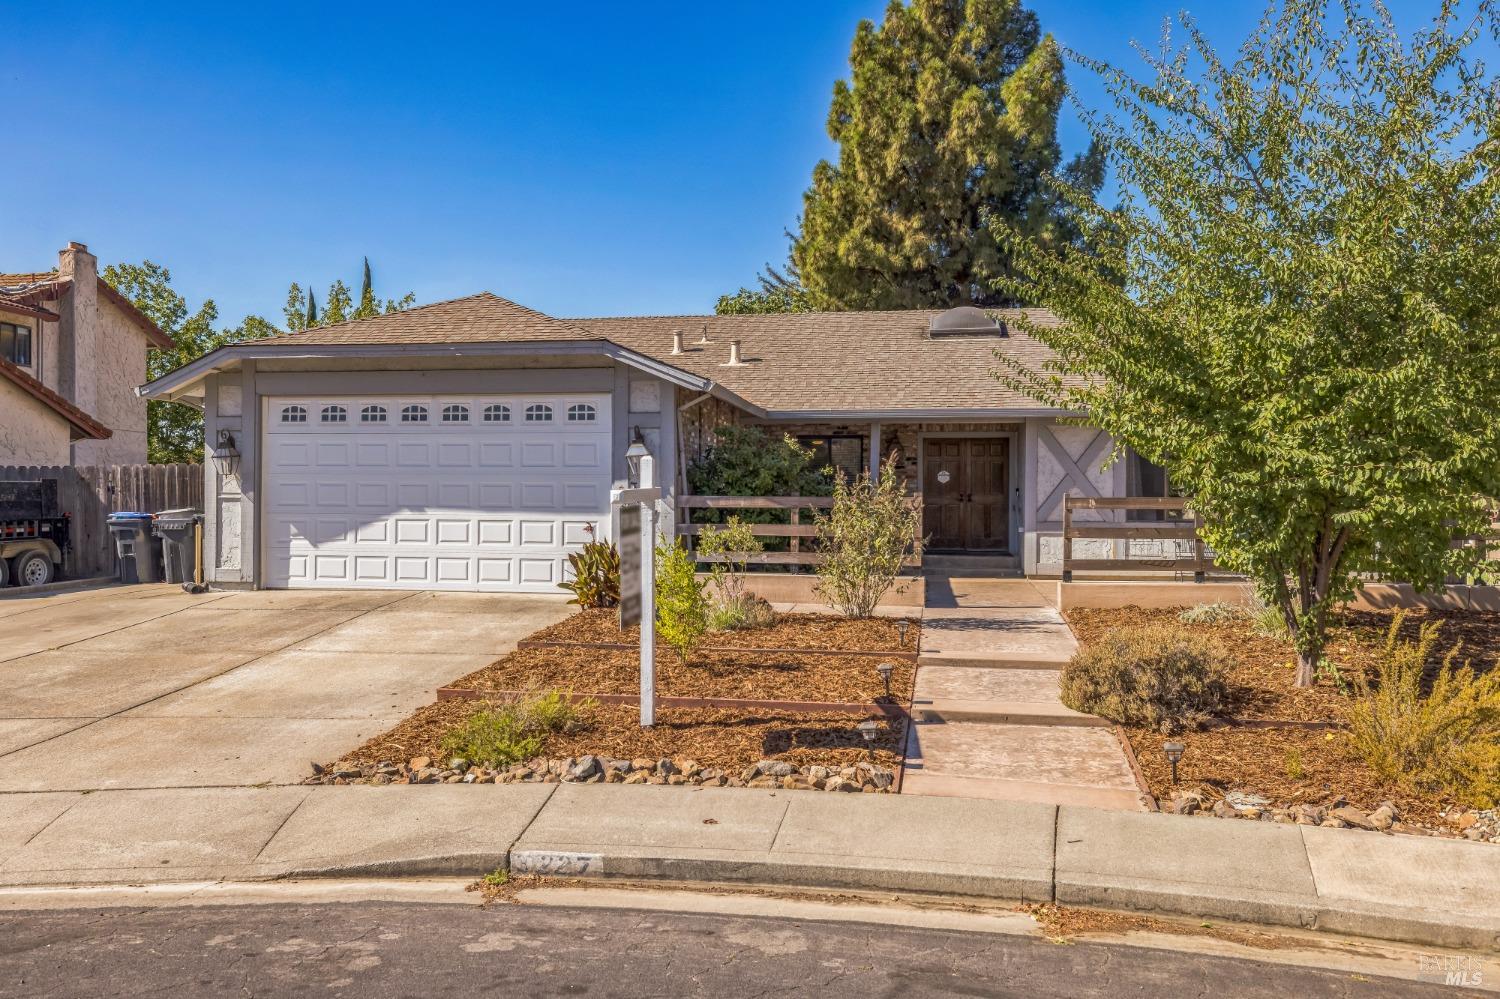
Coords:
pixel 1171 530
pixel 88 494
pixel 795 530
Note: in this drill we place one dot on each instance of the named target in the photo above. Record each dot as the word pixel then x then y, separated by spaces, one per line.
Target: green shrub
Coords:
pixel 1446 741
pixel 865 539
pixel 1153 676
pixel 681 600
pixel 499 735
pixel 749 461
pixel 596 575
pixel 1269 621
pixel 1213 613
pixel 729 550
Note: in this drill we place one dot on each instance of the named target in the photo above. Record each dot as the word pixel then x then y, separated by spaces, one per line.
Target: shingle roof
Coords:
pixel 481 318
pixel 844 361
pixel 83 425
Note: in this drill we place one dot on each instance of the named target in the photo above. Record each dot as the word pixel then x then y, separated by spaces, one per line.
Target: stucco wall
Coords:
pixel 30 432
pixel 116 362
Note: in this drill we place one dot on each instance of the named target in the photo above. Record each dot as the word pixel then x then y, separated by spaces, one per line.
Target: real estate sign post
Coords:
pixel 638 589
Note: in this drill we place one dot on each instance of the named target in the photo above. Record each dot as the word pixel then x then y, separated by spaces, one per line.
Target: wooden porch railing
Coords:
pixel 794 531
pixel 1184 530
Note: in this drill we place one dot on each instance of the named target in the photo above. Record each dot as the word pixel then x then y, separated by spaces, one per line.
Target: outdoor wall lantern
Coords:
pixel 884 669
pixel 1174 753
pixel 225 455
pixel 633 456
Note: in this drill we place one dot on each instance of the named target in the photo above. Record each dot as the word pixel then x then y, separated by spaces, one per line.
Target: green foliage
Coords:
pixel 1446 740
pixel 681 600
pixel 174 431
pixel 501 734
pixel 743 613
pixel 870 532
pixel 1295 307
pixel 498 878
pixel 749 461
pixel 1153 676
pixel 947 131
pixel 302 312
pixel 1213 613
pixel 596 575
pixel 1294 768
pixel 776 292
pixel 728 551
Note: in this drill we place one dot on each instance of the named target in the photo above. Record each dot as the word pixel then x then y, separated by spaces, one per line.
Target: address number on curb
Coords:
pixel 555 864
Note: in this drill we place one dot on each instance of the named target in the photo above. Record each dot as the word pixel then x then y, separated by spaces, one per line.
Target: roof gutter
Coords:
pixel 194 371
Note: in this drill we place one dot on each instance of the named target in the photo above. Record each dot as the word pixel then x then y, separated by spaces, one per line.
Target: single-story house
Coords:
pixel 471 444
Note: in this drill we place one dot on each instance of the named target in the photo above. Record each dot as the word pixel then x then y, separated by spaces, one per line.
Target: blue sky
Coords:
pixel 582 158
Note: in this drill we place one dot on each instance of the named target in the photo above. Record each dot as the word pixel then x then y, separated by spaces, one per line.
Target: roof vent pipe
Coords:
pixel 677 341
pixel 734 354
pixel 704 338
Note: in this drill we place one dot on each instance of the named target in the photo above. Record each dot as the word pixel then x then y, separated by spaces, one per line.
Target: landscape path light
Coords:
pixel 885 669
pixel 869 728
pixel 1174 751
pixel 901 625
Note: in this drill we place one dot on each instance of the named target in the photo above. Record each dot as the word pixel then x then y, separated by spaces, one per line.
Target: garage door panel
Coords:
pixel 483 504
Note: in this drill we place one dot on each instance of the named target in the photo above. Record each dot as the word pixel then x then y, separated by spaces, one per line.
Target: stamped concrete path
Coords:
pixel 988 719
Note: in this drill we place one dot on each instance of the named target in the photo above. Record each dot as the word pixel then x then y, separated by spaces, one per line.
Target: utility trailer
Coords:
pixel 34 535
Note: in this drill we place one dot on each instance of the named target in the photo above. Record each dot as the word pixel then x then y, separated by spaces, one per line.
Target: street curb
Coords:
pixel 59 586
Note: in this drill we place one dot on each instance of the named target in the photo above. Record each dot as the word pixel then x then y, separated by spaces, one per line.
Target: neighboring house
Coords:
pixel 471 444
pixel 72 351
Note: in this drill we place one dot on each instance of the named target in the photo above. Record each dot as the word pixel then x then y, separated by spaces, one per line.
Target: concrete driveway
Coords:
pixel 148 686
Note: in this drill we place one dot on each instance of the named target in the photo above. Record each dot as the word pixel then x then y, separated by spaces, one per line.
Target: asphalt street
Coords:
pixel 393 949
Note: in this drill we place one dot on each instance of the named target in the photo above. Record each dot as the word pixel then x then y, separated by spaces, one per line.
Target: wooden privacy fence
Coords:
pixel 88 494
pixel 1126 530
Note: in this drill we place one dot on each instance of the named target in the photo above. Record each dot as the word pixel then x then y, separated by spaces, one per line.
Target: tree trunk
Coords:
pixel 1307 669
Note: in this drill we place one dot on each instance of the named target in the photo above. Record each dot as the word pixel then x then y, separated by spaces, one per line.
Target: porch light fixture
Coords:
pixel 1174 752
pixel 885 669
pixel 633 456
pixel 226 457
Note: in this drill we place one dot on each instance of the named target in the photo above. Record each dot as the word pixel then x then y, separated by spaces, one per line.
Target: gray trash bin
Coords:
pixel 138 556
pixel 179 548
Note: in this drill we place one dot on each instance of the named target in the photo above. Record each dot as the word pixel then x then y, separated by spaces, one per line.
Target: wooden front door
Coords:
pixel 966 493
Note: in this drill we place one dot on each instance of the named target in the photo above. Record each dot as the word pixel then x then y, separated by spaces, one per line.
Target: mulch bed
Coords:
pixel 751 676
pixel 813 632
pixel 728 740
pixel 1292 765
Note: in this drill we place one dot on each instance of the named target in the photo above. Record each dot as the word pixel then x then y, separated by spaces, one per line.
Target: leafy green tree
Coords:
pixel 174 431
pixel 1307 334
pixel 947 134
pixel 775 292
pixel 301 309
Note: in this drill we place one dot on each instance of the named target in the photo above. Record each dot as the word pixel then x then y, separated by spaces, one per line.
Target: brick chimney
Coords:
pixel 78 329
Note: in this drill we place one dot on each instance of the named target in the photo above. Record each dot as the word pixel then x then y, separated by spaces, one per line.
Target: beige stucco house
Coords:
pixel 472 444
pixel 72 353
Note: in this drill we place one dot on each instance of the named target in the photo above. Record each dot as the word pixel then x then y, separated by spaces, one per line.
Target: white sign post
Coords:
pixel 645 496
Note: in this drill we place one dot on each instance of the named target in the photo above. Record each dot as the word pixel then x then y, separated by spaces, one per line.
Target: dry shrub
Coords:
pixel 1446 741
pixel 1153 676
pixel 498 735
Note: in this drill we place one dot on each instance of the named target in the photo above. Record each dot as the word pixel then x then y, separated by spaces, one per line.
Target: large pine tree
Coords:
pixel 947 129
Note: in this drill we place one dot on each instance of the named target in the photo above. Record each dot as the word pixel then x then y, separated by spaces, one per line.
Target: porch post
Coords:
pixel 874 450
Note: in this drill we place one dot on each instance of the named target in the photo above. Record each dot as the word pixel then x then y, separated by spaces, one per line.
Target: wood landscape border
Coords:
pixel 866 708
pixel 905 655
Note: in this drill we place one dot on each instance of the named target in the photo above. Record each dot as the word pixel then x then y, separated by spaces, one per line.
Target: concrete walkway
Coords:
pixel 1403 888
pixel 988 721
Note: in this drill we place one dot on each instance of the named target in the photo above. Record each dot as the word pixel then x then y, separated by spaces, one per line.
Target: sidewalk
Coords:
pixel 1401 888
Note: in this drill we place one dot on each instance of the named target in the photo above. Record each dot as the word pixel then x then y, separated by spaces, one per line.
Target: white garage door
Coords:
pixel 439 492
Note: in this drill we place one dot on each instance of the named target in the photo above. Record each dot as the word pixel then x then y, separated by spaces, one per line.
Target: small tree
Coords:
pixel 681 604
pixel 1296 306
pixel 865 539
pixel 729 549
